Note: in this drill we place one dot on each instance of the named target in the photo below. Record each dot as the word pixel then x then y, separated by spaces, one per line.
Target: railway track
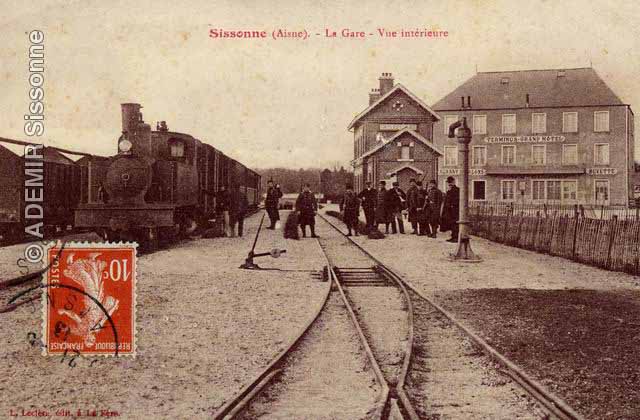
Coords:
pixel 423 312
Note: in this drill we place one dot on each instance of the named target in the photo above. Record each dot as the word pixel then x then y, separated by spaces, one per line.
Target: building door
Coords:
pixel 602 191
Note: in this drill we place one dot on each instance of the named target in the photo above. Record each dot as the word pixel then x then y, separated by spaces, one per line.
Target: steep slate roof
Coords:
pixel 398 86
pixel 414 134
pixel 578 87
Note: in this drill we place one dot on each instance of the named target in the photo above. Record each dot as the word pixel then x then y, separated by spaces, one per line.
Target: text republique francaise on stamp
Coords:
pixel 89 299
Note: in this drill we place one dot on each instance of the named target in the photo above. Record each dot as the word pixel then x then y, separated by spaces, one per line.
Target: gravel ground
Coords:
pixel 381 311
pixel 451 379
pixel 326 377
pixel 582 344
pixel 204 330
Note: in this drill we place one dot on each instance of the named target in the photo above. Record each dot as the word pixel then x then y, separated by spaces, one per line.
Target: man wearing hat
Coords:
pixel 381 208
pixel 451 210
pixel 413 203
pixel 395 202
pixel 271 203
pixel 307 207
pixel 368 197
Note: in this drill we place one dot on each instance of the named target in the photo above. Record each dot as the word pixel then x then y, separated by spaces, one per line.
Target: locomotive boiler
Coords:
pixel 160 184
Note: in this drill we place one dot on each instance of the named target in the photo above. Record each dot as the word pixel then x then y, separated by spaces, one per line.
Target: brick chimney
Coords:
pixel 386 83
pixel 374 95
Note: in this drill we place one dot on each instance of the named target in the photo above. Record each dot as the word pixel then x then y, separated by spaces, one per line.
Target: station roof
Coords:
pixel 546 88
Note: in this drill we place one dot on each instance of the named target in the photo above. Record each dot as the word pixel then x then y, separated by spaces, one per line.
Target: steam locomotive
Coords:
pixel 160 184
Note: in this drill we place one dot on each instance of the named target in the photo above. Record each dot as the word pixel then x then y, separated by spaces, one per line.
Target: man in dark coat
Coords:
pixel 381 209
pixel 307 206
pixel 223 204
pixel 237 210
pixel 395 202
pixel 433 206
pixel 350 208
pixel 423 227
pixel 451 210
pixel 413 203
pixel 271 203
pixel 369 197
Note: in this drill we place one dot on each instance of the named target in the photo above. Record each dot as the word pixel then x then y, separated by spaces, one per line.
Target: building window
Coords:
pixel 177 149
pixel 538 123
pixel 601 121
pixel 601 154
pixel 538 191
pixel 479 190
pixel 448 120
pixel 569 122
pixel 508 190
pixel 450 156
pixel 508 155
pixel 479 124
pixel 569 190
pixel 553 190
pixel 602 190
pixel 538 154
pixel 508 123
pixel 569 154
pixel 479 155
pixel 405 153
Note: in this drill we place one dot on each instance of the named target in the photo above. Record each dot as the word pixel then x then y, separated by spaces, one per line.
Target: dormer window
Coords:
pixel 561 73
pixel 177 149
pixel 504 81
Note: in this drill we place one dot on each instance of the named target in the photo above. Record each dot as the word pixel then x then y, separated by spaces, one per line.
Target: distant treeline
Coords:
pixel 330 182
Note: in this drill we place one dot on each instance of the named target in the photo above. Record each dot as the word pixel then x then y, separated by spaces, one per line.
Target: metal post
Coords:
pixel 461 131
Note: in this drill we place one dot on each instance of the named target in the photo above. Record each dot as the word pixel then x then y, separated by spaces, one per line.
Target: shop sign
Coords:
pixel 456 171
pixel 524 139
pixel 602 171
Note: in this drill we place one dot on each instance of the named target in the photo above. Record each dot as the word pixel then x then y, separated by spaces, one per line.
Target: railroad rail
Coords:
pixel 241 400
pixel 551 403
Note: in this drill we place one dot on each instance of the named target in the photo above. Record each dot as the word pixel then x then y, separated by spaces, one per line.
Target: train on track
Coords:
pixel 160 184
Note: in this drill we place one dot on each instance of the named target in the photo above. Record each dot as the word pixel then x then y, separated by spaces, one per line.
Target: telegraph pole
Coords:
pixel 461 131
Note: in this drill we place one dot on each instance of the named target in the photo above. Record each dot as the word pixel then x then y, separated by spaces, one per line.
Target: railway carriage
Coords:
pixel 161 184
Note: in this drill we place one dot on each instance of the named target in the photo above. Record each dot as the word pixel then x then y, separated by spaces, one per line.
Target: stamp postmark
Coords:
pixel 89 299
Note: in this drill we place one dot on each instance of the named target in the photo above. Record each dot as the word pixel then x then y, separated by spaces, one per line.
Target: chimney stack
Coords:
pixel 137 132
pixel 374 95
pixel 386 83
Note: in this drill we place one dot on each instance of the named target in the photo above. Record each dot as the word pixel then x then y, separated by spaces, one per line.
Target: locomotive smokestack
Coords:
pixel 131 116
pixel 137 131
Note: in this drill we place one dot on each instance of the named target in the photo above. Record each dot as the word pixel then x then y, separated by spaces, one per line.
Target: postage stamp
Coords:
pixel 89 299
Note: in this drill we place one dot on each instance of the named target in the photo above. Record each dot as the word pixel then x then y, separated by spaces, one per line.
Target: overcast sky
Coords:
pixel 285 102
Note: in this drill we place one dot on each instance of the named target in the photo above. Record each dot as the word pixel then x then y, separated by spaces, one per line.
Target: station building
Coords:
pixel 393 137
pixel 541 136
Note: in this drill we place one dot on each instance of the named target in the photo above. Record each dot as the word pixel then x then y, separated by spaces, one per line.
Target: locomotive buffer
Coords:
pixel 248 262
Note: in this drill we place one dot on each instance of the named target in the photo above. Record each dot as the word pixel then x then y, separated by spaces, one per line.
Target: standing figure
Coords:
pixel 381 208
pixel 433 203
pixel 238 210
pixel 271 203
pixel 369 197
pixel 422 209
pixel 223 203
pixel 350 206
pixel 307 206
pixel 413 204
pixel 395 202
pixel 451 210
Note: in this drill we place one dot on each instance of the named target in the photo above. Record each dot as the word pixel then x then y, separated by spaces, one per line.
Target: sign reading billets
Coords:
pixel 398 127
pixel 524 139
pixel 602 171
pixel 456 171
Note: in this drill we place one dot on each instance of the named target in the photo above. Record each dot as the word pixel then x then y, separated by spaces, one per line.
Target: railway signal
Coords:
pixel 248 262
pixel 461 131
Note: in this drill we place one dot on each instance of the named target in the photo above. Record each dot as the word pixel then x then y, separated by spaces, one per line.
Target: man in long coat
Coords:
pixel 271 203
pixel 413 204
pixel 369 197
pixel 394 203
pixel 451 210
pixel 423 226
pixel 381 209
pixel 350 208
pixel 223 204
pixel 433 205
pixel 237 210
pixel 307 206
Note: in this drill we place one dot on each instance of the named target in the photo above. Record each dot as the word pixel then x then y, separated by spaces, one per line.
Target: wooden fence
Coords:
pixel 590 211
pixel 612 244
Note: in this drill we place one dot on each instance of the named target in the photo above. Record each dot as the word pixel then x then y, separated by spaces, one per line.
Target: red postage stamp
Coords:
pixel 89 298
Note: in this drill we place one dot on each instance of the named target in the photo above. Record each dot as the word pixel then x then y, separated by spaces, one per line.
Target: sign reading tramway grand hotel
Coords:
pixel 524 139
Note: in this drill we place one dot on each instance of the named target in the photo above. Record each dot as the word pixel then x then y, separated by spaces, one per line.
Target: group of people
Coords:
pixel 306 208
pixel 232 205
pixel 427 208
